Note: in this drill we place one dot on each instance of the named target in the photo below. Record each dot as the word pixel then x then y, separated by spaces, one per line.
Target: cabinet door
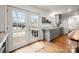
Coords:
pixel 52 34
pixel 47 35
pixel 61 30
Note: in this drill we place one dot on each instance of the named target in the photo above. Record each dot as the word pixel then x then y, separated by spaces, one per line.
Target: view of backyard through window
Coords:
pixel 19 26
pixel 18 19
pixel 34 21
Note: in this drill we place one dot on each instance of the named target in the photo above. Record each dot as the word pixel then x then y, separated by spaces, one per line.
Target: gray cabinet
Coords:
pixel 50 34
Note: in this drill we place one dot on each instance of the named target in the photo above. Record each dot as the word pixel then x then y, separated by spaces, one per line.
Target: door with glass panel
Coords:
pixel 34 27
pixel 18 28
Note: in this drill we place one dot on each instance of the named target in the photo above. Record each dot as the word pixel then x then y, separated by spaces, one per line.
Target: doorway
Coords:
pixel 23 27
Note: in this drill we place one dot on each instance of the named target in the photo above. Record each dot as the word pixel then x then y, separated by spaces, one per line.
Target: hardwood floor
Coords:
pixel 58 45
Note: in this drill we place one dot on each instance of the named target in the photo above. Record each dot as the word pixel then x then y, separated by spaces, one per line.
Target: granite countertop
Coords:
pixel 50 28
pixel 74 35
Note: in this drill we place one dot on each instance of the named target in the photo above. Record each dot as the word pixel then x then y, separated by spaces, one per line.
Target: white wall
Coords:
pixel 65 21
pixel 2 18
pixel 73 22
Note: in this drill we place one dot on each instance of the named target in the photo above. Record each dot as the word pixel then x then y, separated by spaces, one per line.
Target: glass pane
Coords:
pixel 23 22
pixel 34 21
pixel 14 19
pixel 19 21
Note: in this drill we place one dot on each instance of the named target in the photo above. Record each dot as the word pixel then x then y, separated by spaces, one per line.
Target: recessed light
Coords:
pixel 76 13
pixel 69 10
pixel 55 12
pixel 52 15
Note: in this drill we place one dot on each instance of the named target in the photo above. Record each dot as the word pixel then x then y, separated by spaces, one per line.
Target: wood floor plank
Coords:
pixel 58 45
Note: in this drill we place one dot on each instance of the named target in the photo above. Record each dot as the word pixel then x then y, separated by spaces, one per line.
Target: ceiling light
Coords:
pixel 52 15
pixel 76 13
pixel 69 10
pixel 55 12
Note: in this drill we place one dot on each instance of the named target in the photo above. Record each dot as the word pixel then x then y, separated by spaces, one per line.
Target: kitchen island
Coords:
pixel 51 33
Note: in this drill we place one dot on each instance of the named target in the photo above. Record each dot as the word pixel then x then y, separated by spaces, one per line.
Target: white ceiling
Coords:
pixel 57 8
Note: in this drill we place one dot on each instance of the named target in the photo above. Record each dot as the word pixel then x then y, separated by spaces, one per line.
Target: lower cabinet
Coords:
pixel 3 49
pixel 50 34
pixel 3 44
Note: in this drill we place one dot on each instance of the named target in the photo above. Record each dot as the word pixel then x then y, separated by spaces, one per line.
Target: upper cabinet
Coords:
pixel 51 21
pixel 45 20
